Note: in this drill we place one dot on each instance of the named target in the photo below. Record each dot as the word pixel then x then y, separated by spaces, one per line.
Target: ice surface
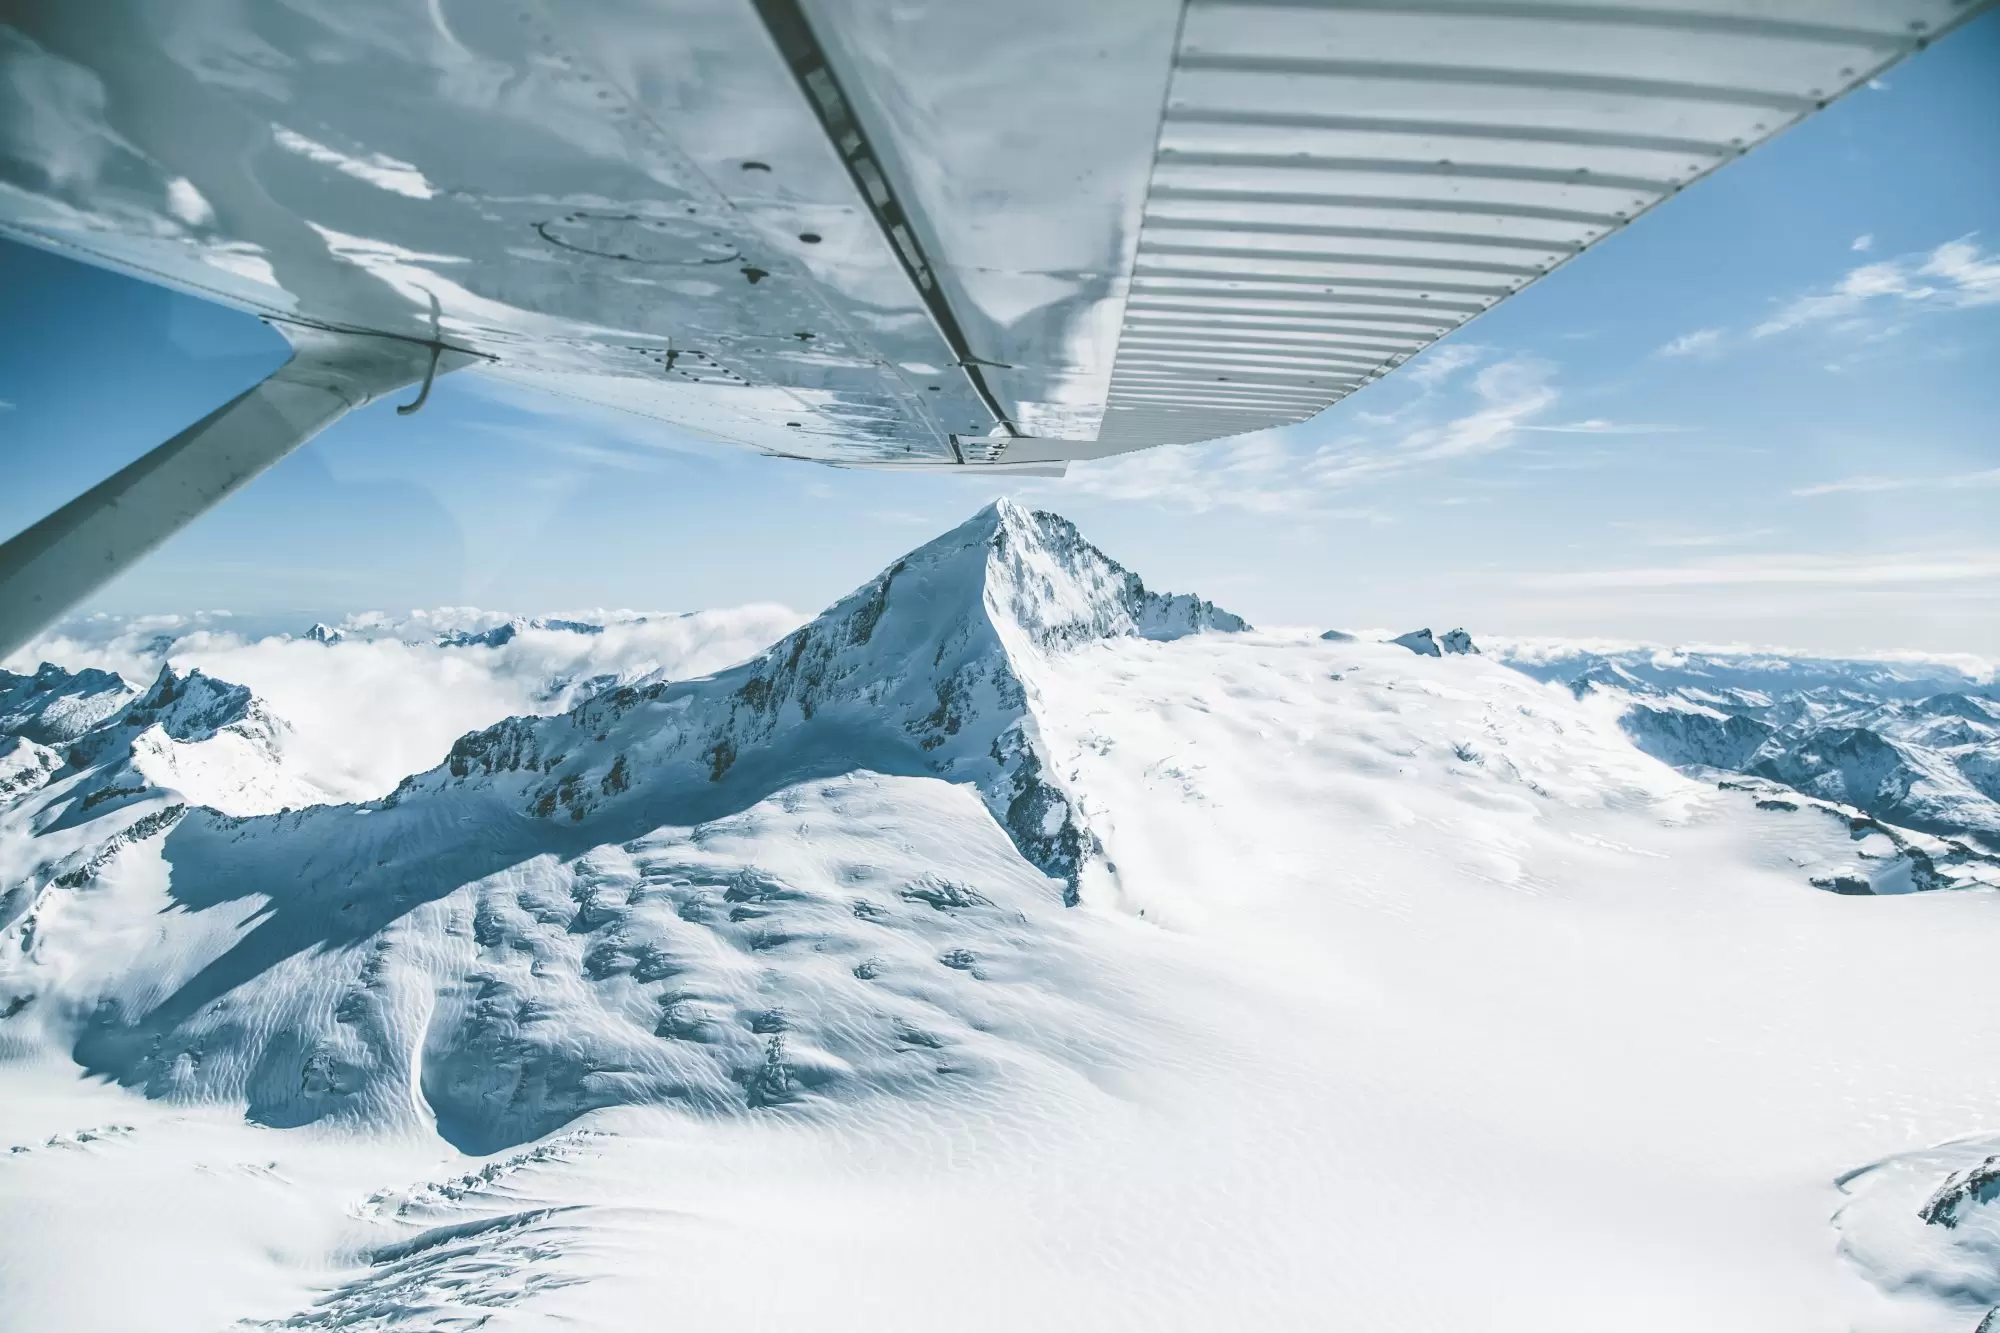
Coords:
pixel 1009 946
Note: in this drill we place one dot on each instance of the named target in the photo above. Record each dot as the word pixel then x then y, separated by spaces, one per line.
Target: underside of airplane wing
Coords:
pixel 917 234
pixel 885 232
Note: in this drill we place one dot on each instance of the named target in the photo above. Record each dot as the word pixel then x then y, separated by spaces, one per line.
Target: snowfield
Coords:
pixel 1010 946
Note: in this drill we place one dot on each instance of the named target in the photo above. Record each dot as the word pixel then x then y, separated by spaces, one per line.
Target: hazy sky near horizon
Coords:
pixel 1769 412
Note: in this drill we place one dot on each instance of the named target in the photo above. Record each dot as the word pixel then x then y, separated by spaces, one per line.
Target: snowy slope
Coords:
pixel 1008 946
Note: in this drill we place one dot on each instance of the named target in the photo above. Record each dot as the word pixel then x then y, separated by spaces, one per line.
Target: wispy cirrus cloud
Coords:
pixel 1507 395
pixel 1279 472
pixel 1599 426
pixel 1868 299
pixel 1699 343
pixel 1856 486
pixel 1711 539
pixel 1802 569
pixel 1258 473
pixel 1439 364
pixel 1866 485
pixel 1954 276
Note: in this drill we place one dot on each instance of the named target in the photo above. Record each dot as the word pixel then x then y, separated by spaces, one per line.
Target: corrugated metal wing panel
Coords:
pixel 1339 183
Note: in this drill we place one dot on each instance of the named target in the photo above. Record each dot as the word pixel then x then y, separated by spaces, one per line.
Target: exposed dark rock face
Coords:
pixel 1683 736
pixel 1963 1190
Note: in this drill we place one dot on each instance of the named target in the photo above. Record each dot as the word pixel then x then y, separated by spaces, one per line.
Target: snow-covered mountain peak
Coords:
pixel 189 735
pixel 188 707
pixel 933 669
pixel 53 706
pixel 1042 576
pixel 193 706
pixel 927 669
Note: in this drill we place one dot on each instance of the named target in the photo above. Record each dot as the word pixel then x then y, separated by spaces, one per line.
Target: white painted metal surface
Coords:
pixel 938 233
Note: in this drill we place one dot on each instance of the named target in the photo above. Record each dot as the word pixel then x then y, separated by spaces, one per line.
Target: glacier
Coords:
pixel 1010 943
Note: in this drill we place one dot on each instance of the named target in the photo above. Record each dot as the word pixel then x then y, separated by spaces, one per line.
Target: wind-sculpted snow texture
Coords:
pixel 1915 744
pixel 1002 949
pixel 1925 1225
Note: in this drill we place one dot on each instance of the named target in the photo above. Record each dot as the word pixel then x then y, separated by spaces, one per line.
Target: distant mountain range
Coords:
pixel 1914 744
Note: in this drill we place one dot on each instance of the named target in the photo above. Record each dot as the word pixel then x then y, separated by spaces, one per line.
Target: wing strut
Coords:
pixel 50 567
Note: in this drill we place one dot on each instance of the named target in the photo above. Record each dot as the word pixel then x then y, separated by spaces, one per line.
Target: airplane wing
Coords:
pixel 896 232
pixel 883 233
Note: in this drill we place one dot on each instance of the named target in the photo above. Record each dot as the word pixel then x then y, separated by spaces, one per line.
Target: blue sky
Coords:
pixel 1769 412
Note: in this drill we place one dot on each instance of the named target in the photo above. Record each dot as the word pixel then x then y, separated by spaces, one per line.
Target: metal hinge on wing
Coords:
pixel 1021 451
